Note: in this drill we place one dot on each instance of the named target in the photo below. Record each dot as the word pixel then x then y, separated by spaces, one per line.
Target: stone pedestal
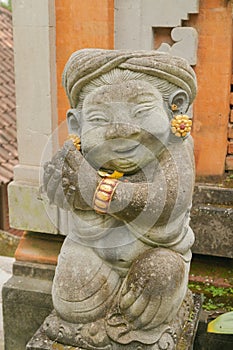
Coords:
pixel 212 220
pixel 40 341
pixel 26 302
pixel 26 296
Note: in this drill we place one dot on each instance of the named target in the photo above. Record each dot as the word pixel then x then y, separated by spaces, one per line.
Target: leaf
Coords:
pixel 223 324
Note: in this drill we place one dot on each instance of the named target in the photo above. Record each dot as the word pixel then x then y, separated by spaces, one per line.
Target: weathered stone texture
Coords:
pixel 40 341
pixel 126 177
pixel 212 220
pixel 26 302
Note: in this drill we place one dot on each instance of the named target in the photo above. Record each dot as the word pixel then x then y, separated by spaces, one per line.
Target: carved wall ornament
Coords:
pixel 185 44
pixel 138 23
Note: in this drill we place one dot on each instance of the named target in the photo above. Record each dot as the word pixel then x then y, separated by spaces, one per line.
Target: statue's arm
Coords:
pixel 71 182
pixel 167 196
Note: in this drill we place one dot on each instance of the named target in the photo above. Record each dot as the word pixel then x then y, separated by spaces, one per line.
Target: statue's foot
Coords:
pixel 92 336
pixel 149 298
pixel 121 331
pixel 164 336
pixel 86 336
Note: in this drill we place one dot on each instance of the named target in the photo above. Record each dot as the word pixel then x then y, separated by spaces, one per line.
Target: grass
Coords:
pixel 215 298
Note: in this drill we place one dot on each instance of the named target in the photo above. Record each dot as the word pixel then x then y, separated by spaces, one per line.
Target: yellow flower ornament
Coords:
pixel 181 125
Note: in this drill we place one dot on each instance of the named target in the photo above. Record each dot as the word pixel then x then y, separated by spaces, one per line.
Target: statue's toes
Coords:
pixel 95 334
pixel 148 314
pixel 133 306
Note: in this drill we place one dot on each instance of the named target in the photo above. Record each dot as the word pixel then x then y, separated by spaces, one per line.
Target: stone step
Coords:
pixel 212 220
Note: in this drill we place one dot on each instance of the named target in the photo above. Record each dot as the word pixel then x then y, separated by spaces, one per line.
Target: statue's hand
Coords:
pixel 144 287
pixel 62 177
pixel 137 305
pixel 52 179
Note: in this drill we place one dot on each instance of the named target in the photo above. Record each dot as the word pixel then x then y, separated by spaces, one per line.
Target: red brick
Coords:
pixel 231 99
pixel 230 131
pixel 229 163
pixel 231 116
pixel 230 147
pixel 38 247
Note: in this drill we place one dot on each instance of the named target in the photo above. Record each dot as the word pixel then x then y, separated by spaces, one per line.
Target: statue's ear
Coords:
pixel 179 101
pixel 73 121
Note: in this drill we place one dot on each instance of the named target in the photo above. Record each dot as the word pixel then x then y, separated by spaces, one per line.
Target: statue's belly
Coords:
pixel 120 247
pixel 119 243
pixel 110 238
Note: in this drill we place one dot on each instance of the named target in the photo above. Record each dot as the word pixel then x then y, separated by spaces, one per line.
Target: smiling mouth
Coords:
pixel 125 166
pixel 126 150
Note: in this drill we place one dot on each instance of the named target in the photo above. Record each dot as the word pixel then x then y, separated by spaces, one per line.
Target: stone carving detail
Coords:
pixel 121 279
pixel 185 44
pixel 135 19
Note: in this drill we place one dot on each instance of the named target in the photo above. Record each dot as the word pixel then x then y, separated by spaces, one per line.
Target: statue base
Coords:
pixel 40 340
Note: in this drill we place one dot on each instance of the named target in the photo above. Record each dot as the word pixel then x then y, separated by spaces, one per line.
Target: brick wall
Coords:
pixel 213 69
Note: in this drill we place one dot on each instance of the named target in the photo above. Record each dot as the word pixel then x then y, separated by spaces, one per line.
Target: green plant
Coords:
pixel 217 291
pixel 214 297
pixel 7 5
pixel 195 287
pixel 209 305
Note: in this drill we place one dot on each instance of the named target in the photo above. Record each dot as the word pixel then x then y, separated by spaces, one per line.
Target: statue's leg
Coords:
pixel 151 295
pixel 84 286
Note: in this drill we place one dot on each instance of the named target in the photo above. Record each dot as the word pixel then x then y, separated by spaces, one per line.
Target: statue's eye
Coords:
pixel 98 119
pixel 138 114
pixel 144 110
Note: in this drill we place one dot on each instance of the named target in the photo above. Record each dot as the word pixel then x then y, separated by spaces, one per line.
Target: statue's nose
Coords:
pixel 122 130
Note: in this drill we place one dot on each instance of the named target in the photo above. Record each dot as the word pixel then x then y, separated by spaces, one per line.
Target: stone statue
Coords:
pixel 126 176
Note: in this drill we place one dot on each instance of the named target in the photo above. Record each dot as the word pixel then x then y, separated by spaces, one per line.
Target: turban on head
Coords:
pixel 87 64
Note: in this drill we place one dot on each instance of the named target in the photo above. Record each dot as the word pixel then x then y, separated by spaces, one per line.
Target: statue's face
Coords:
pixel 124 126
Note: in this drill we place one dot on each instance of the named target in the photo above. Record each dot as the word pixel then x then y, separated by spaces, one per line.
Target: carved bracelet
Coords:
pixel 103 194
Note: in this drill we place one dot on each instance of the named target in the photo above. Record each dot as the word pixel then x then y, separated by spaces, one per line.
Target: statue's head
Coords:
pixel 121 104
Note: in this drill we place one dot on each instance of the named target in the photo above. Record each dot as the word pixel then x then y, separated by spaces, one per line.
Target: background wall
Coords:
pixel 48 31
pixel 80 24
